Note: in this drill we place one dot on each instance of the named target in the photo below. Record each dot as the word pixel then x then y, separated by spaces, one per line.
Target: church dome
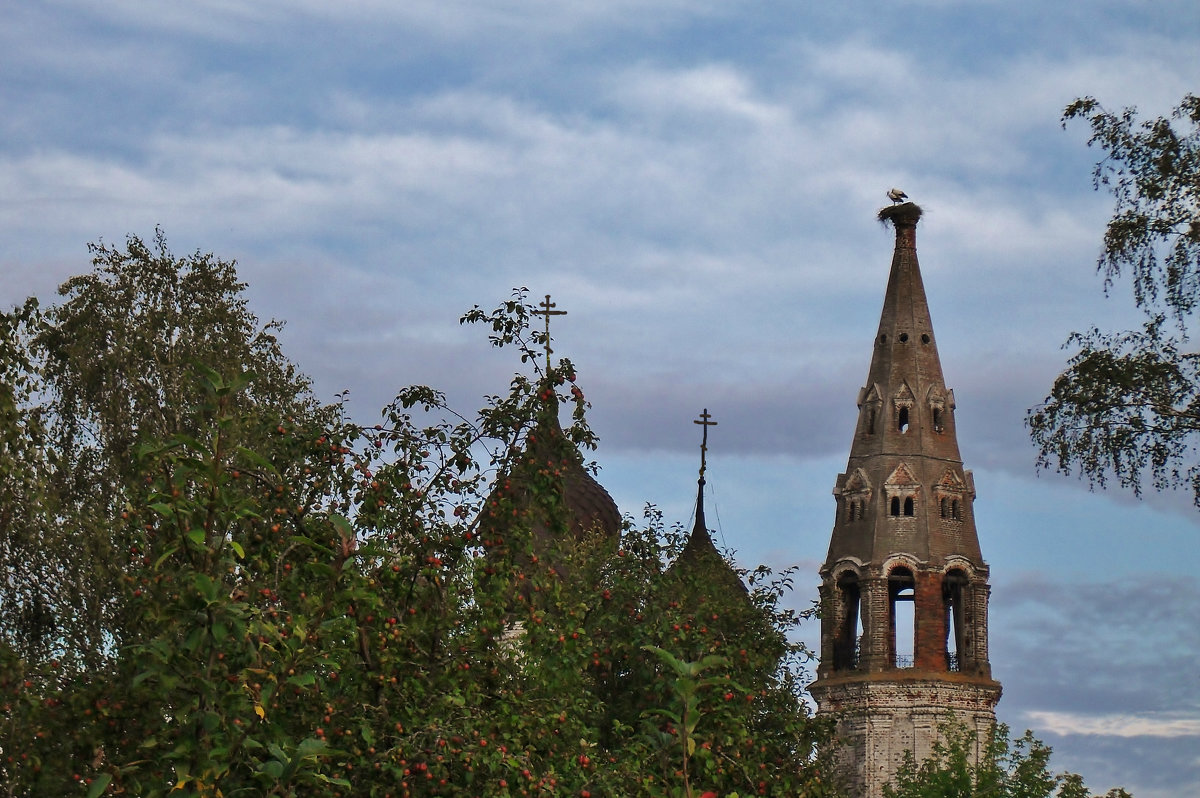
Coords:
pixel 549 487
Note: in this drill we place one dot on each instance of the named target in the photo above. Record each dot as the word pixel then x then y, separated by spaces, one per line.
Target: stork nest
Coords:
pixel 905 212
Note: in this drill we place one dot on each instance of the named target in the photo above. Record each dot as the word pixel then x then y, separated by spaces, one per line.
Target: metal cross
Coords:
pixel 547 310
pixel 704 422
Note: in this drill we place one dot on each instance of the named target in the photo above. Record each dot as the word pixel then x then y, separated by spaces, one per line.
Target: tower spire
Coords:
pixel 699 557
pixel 904 586
pixel 700 528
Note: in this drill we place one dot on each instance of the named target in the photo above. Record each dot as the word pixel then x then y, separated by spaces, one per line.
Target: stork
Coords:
pixel 896 195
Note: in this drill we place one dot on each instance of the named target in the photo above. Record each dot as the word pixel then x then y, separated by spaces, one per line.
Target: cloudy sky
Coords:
pixel 695 183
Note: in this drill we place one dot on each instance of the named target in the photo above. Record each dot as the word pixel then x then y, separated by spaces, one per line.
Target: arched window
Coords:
pixel 902 617
pixel 937 420
pixel 902 420
pixel 895 508
pixel 954 588
pixel 908 505
pixel 954 511
pixel 849 630
pixel 942 507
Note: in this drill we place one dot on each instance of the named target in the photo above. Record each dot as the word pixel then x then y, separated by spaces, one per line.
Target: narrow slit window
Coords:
pixel 902 420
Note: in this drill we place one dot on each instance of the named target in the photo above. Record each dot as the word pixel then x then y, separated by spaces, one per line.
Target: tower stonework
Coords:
pixel 904 588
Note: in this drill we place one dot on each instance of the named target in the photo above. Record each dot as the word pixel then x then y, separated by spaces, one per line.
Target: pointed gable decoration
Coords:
pixel 870 399
pixel 936 399
pixel 901 478
pixel 870 395
pixel 950 495
pixel 858 482
pixel 951 481
pixel 856 494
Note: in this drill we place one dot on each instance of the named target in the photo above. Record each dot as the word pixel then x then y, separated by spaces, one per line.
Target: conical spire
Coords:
pixel 700 555
pixel 904 459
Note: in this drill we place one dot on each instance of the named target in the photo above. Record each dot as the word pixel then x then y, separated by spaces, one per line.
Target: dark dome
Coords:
pixel 589 507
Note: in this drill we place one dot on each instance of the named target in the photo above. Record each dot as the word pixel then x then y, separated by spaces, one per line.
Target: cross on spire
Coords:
pixel 704 422
pixel 547 310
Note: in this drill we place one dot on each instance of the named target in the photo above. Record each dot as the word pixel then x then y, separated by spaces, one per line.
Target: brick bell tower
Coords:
pixel 904 589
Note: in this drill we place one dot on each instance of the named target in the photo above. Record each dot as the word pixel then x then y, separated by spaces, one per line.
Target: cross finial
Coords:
pixel 704 422
pixel 547 310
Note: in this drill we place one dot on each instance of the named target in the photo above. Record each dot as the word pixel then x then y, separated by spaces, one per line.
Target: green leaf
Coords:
pixel 237 549
pixel 257 459
pixel 100 785
pixel 191 443
pixel 302 680
pixel 331 780
pixel 196 536
pixel 164 556
pixel 343 525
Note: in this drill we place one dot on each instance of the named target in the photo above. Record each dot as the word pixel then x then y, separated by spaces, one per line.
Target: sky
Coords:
pixel 695 183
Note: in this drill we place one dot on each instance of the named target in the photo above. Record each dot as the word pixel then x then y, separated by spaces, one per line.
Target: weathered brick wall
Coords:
pixel 879 719
pixel 930 635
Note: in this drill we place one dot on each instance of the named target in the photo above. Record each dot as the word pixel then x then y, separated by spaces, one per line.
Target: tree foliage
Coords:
pixel 1004 768
pixel 293 604
pixel 109 368
pixel 1127 407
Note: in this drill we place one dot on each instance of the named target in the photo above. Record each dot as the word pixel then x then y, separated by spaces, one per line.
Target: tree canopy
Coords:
pixel 1127 407
pixel 279 601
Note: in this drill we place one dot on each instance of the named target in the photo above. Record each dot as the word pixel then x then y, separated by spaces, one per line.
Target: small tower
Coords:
pixel 904 589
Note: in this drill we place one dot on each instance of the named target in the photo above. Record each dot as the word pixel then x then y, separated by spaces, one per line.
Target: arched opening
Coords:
pixel 908 506
pixel 942 507
pixel 895 505
pixel 902 420
pixel 954 588
pixel 902 617
pixel 937 419
pixel 849 630
pixel 871 419
pixel 955 511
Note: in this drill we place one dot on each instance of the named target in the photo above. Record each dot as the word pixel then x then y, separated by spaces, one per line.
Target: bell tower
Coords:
pixel 904 588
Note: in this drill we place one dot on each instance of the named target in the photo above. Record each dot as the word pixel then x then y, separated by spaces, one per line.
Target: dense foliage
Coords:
pixel 214 587
pixel 1127 408
pixel 1006 768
